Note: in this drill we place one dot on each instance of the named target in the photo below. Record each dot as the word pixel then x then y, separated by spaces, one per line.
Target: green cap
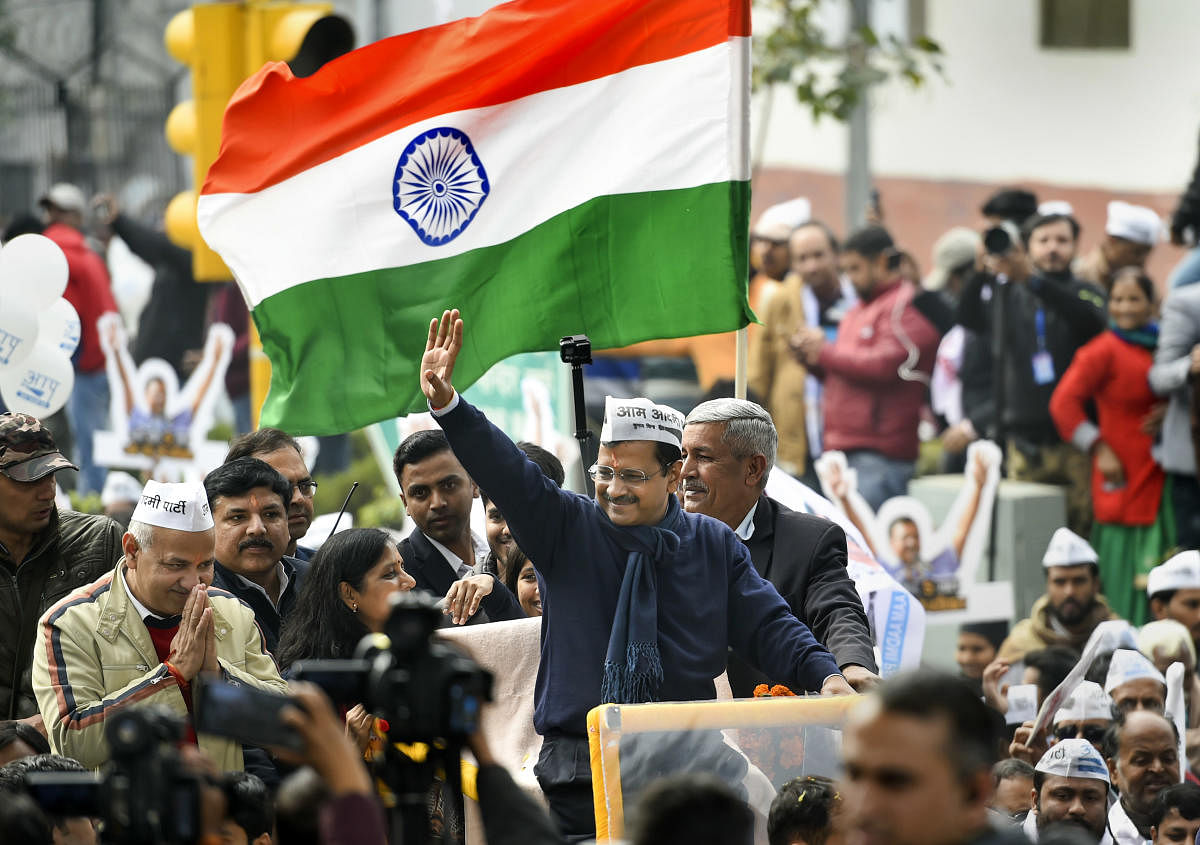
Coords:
pixel 27 451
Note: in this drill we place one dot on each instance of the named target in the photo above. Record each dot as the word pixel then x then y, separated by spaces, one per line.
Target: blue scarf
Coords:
pixel 1146 336
pixel 633 671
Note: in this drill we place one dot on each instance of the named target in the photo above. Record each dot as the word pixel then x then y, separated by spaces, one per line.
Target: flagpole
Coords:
pixel 739 368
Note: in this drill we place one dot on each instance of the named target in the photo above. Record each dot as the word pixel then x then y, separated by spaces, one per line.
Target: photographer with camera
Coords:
pixel 143 633
pixel 1048 315
pixel 641 600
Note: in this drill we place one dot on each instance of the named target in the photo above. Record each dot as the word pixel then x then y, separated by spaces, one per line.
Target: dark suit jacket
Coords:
pixel 434 575
pixel 269 618
pixel 804 556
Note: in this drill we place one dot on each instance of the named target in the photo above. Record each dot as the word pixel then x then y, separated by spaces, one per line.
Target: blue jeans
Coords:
pixel 87 409
pixel 879 477
pixel 1186 271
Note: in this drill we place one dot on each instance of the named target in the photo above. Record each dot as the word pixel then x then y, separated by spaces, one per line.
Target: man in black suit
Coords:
pixel 443 553
pixel 728 451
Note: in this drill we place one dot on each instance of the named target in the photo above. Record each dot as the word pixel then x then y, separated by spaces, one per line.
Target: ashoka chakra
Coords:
pixel 439 185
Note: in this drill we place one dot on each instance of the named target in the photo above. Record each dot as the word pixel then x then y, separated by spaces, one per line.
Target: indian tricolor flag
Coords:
pixel 552 167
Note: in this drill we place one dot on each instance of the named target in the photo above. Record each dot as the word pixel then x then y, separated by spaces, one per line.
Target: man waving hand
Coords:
pixel 640 599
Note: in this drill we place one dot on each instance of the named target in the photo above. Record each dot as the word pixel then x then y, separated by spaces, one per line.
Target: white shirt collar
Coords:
pixel 746 529
pixel 478 546
pixel 283 583
pixel 1124 831
pixel 143 611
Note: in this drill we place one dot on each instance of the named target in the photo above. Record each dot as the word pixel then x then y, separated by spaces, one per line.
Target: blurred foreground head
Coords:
pixel 918 755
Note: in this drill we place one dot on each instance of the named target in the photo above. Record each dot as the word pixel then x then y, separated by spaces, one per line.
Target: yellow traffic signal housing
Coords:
pixel 208 39
pixel 222 44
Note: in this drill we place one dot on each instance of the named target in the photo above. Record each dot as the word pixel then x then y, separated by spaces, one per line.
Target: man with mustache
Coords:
pixel 1142 749
pixel 1072 606
pixel 1070 784
pixel 641 600
pixel 728 453
pixel 281 451
pixel 250 510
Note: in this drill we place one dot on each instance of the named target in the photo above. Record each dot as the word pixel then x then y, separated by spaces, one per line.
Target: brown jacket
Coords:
pixel 1036 632
pixel 777 376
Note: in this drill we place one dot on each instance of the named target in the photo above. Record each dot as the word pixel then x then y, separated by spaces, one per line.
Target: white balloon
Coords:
pixel 18 329
pixel 60 324
pixel 34 267
pixel 40 385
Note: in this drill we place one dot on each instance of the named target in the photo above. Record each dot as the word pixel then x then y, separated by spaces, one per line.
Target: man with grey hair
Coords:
pixel 150 632
pixel 728 452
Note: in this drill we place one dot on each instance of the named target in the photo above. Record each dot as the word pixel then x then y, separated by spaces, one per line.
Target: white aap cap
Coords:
pixel 640 419
pixel 120 487
pixel 1068 549
pixel 1073 758
pixel 1182 572
pixel 1049 207
pixel 1133 223
pixel 1129 665
pixel 1088 701
pixel 181 507
pixel 779 221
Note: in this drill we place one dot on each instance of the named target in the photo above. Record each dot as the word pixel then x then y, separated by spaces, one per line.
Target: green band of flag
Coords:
pixel 345 351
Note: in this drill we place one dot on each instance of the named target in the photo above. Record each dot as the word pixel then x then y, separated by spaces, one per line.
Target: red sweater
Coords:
pixel 1114 374
pixel 88 289
pixel 868 405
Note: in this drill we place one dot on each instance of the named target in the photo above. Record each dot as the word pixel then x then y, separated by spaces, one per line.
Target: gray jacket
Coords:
pixel 1178 333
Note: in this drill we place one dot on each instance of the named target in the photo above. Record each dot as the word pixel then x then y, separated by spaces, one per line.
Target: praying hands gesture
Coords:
pixel 194 648
pixel 437 364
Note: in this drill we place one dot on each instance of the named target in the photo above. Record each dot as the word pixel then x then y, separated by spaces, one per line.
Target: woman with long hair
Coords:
pixel 345 596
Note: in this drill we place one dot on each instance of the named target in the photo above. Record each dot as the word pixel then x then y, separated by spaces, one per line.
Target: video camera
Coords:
pixel 1000 238
pixel 143 795
pixel 426 690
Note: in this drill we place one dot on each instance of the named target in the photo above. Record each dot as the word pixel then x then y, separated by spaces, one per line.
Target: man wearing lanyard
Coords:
pixel 1049 314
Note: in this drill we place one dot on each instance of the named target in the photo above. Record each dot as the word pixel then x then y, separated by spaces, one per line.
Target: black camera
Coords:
pixel 143 795
pixel 575 349
pixel 1000 238
pixel 426 690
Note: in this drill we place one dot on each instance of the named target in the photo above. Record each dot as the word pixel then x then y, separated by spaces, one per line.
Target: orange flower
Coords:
pixel 761 690
pixel 780 689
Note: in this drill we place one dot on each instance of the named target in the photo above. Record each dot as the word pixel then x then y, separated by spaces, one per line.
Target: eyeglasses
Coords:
pixel 632 477
pixel 307 488
pixel 1092 733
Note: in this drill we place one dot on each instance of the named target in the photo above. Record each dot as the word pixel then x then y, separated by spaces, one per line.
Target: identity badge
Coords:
pixel 1043 368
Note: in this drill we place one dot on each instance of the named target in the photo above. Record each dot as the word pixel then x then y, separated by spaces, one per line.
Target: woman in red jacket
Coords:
pixel 1132 528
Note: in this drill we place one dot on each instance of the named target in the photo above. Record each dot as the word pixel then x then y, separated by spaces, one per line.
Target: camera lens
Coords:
pixel 996 240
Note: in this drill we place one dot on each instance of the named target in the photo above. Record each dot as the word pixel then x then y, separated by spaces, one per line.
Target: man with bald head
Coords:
pixel 143 634
pixel 1142 750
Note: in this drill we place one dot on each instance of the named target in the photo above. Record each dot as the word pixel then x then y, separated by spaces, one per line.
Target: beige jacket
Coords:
pixel 1037 632
pixel 95 655
pixel 776 375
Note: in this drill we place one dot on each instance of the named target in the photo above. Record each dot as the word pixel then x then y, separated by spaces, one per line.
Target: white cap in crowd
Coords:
pixel 1133 223
pixel 779 221
pixel 1129 665
pixel 951 251
pixel 1088 701
pixel 640 419
pixel 1073 758
pixel 181 507
pixel 1049 207
pixel 1068 549
pixel 1181 572
pixel 65 197
pixel 120 487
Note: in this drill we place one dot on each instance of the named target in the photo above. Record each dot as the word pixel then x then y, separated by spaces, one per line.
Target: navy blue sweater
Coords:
pixel 710 597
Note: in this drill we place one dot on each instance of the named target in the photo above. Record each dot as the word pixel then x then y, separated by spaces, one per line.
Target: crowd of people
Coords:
pixel 679 570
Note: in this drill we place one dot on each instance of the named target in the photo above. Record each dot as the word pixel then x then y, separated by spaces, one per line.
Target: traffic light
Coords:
pixel 208 39
pixel 222 44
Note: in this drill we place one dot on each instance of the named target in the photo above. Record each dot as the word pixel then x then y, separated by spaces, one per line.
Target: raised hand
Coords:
pixel 441 351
